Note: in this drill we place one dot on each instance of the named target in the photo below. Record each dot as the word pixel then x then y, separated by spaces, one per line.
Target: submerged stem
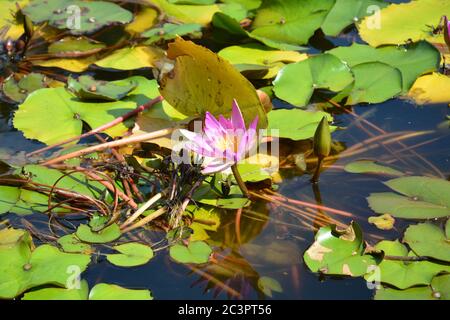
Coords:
pixel 239 181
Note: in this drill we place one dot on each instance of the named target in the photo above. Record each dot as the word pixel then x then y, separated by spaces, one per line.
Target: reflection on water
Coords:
pixel 269 239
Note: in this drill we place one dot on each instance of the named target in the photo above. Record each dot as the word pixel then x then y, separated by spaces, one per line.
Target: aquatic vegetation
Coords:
pixel 160 137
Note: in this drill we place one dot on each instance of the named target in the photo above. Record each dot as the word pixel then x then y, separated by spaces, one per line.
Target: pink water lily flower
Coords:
pixel 224 141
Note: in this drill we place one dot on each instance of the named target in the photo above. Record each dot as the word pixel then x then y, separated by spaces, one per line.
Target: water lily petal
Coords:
pixel 216 166
pixel 237 119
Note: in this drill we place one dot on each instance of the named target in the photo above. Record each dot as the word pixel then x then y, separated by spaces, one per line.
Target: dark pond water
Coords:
pixel 273 240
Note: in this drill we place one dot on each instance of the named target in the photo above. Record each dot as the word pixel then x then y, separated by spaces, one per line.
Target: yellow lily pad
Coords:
pixel 202 81
pixel 431 89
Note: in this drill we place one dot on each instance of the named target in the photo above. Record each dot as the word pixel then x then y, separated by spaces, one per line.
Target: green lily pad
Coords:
pixel 383 222
pixel 339 252
pixel 252 172
pixel 404 207
pixel 252 56
pixel 375 82
pixel 268 285
pixel 424 198
pixel 400 23
pixel 74 46
pixel 22 201
pixel 131 255
pixel 59 293
pixel 94 15
pixel 76 182
pixel 86 87
pixel 131 58
pixel 438 290
pixel 428 240
pixel 296 82
pixel 71 244
pixel 201 14
pixel 170 31
pixel 103 291
pixel 234 200
pixel 412 60
pixel 196 252
pixel 403 274
pixel 18 90
pixel 108 234
pixel 427 189
pixel 67 114
pixel 347 12
pixel 248 4
pixel 416 293
pixel 22 269
pixel 290 21
pixel 370 166
pixel 295 124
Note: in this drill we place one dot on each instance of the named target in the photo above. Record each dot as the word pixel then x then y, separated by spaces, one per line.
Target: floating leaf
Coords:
pixel 339 252
pixel 98 222
pixel 383 222
pixel 251 172
pixel 70 64
pixel 68 46
pixel 170 31
pixel 269 285
pixel 396 27
pixel 188 13
pixel 76 182
pixel 428 240
pixel 8 18
pixel 146 18
pixel 197 252
pixel 94 15
pixel 370 166
pixel 86 87
pixel 296 82
pixel 18 90
pixel 71 244
pixel 290 21
pixel 58 106
pixel 131 58
pixel 428 89
pixel 375 82
pixel 403 274
pixel 234 200
pixel 21 201
pixel 202 81
pixel 21 269
pixel 131 255
pixel 249 57
pixel 412 60
pixel 404 207
pixel 80 293
pixel 103 291
pixel 108 234
pixel 204 221
pixel 295 124
pixel 347 12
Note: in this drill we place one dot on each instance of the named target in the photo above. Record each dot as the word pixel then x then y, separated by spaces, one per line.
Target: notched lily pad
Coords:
pixel 428 240
pixel 106 235
pixel 339 252
pixel 196 252
pixel 370 166
pixel 131 255
pixel 104 291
